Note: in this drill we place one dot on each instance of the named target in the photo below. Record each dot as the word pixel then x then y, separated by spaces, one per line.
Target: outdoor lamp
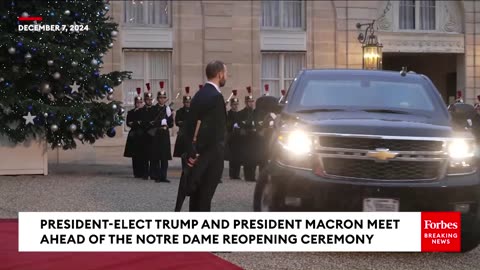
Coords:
pixel 371 48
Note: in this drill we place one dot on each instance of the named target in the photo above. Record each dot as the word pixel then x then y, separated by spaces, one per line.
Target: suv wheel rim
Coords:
pixel 266 200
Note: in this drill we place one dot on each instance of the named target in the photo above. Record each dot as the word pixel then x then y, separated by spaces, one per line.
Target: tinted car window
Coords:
pixel 366 92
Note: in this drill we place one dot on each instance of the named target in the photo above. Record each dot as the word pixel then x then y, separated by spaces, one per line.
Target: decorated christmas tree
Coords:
pixel 51 85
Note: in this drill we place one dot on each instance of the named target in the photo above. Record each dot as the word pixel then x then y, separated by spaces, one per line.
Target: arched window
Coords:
pixel 420 16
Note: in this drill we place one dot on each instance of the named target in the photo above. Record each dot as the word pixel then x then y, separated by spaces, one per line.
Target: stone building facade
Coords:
pixel 267 42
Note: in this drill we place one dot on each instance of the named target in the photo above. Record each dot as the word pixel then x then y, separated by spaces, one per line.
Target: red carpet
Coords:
pixel 10 258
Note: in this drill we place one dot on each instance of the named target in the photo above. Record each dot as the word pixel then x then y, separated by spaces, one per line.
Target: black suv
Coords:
pixel 358 140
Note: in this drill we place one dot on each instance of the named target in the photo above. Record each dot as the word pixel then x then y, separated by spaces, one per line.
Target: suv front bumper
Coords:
pixel 317 193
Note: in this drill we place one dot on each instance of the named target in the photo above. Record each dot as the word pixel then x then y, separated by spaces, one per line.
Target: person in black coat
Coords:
pixel 266 108
pixel 160 148
pixel 233 139
pixel 248 138
pixel 136 135
pixel 180 117
pixel 147 115
pixel 208 109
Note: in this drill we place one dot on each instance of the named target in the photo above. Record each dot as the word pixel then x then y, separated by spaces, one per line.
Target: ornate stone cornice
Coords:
pixel 422 42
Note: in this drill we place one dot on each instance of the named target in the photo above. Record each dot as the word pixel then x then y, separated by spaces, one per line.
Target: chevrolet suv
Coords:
pixel 358 140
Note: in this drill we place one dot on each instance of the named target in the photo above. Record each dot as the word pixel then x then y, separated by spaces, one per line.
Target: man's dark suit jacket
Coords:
pixel 208 106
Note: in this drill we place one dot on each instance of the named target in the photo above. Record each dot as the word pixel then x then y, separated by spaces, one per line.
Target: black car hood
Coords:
pixel 375 124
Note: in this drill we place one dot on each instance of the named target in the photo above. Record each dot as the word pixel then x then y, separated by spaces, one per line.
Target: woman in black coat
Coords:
pixel 136 135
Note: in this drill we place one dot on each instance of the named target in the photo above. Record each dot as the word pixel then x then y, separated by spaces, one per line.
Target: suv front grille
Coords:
pixel 374 143
pixel 393 170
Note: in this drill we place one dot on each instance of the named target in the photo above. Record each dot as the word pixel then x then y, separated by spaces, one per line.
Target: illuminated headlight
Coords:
pixel 297 142
pixel 460 149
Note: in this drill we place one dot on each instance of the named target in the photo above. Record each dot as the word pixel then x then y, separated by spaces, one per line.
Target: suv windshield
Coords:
pixel 368 93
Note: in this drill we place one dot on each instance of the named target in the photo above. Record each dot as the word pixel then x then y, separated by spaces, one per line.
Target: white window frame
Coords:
pixel 281 69
pixel 302 28
pixel 145 15
pixel 417 17
pixel 146 75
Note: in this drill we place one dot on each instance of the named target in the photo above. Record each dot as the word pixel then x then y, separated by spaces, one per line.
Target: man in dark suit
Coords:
pixel 208 107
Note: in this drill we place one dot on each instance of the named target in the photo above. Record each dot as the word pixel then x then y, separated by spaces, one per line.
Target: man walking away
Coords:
pixel 208 107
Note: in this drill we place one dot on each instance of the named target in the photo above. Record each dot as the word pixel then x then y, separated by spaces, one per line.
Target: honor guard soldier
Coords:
pixel 160 147
pixel 147 115
pixel 136 136
pixel 266 87
pixel 266 109
pixel 283 95
pixel 459 97
pixel 248 137
pixel 477 104
pixel 234 146
pixel 180 117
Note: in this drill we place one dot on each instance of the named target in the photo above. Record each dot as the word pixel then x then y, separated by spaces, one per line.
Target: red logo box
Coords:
pixel 441 231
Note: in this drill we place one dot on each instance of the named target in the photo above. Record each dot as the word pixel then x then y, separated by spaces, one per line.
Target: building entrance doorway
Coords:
pixel 447 71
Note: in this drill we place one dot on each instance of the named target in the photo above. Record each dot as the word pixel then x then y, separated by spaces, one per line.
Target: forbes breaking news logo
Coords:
pixel 441 232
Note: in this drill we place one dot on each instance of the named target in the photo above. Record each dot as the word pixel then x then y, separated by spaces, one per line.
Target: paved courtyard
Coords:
pixel 76 184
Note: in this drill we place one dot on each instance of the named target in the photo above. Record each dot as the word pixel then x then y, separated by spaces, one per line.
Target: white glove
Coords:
pixel 271 123
pixel 273 116
pixel 164 122
pixel 169 111
pixel 235 125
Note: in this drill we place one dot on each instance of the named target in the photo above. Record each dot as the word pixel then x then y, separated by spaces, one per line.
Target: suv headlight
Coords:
pixel 295 149
pixel 462 157
pixel 461 149
pixel 297 142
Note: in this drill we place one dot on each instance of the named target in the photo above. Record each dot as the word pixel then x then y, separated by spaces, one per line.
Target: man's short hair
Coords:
pixel 213 68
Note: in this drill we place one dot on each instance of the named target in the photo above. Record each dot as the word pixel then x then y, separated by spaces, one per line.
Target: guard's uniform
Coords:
pixel 265 115
pixel 180 117
pixel 477 104
pixel 147 115
pixel 264 123
pixel 248 139
pixel 160 149
pixel 136 136
pixel 233 146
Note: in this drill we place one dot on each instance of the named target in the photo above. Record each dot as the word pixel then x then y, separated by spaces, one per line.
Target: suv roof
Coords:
pixel 385 73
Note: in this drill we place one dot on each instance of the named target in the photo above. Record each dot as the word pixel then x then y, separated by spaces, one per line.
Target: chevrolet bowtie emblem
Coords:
pixel 382 154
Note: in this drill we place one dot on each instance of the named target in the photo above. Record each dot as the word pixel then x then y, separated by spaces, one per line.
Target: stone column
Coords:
pixel 246 55
pixel 321 34
pixel 472 50
pixel 187 55
pixel 341 34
